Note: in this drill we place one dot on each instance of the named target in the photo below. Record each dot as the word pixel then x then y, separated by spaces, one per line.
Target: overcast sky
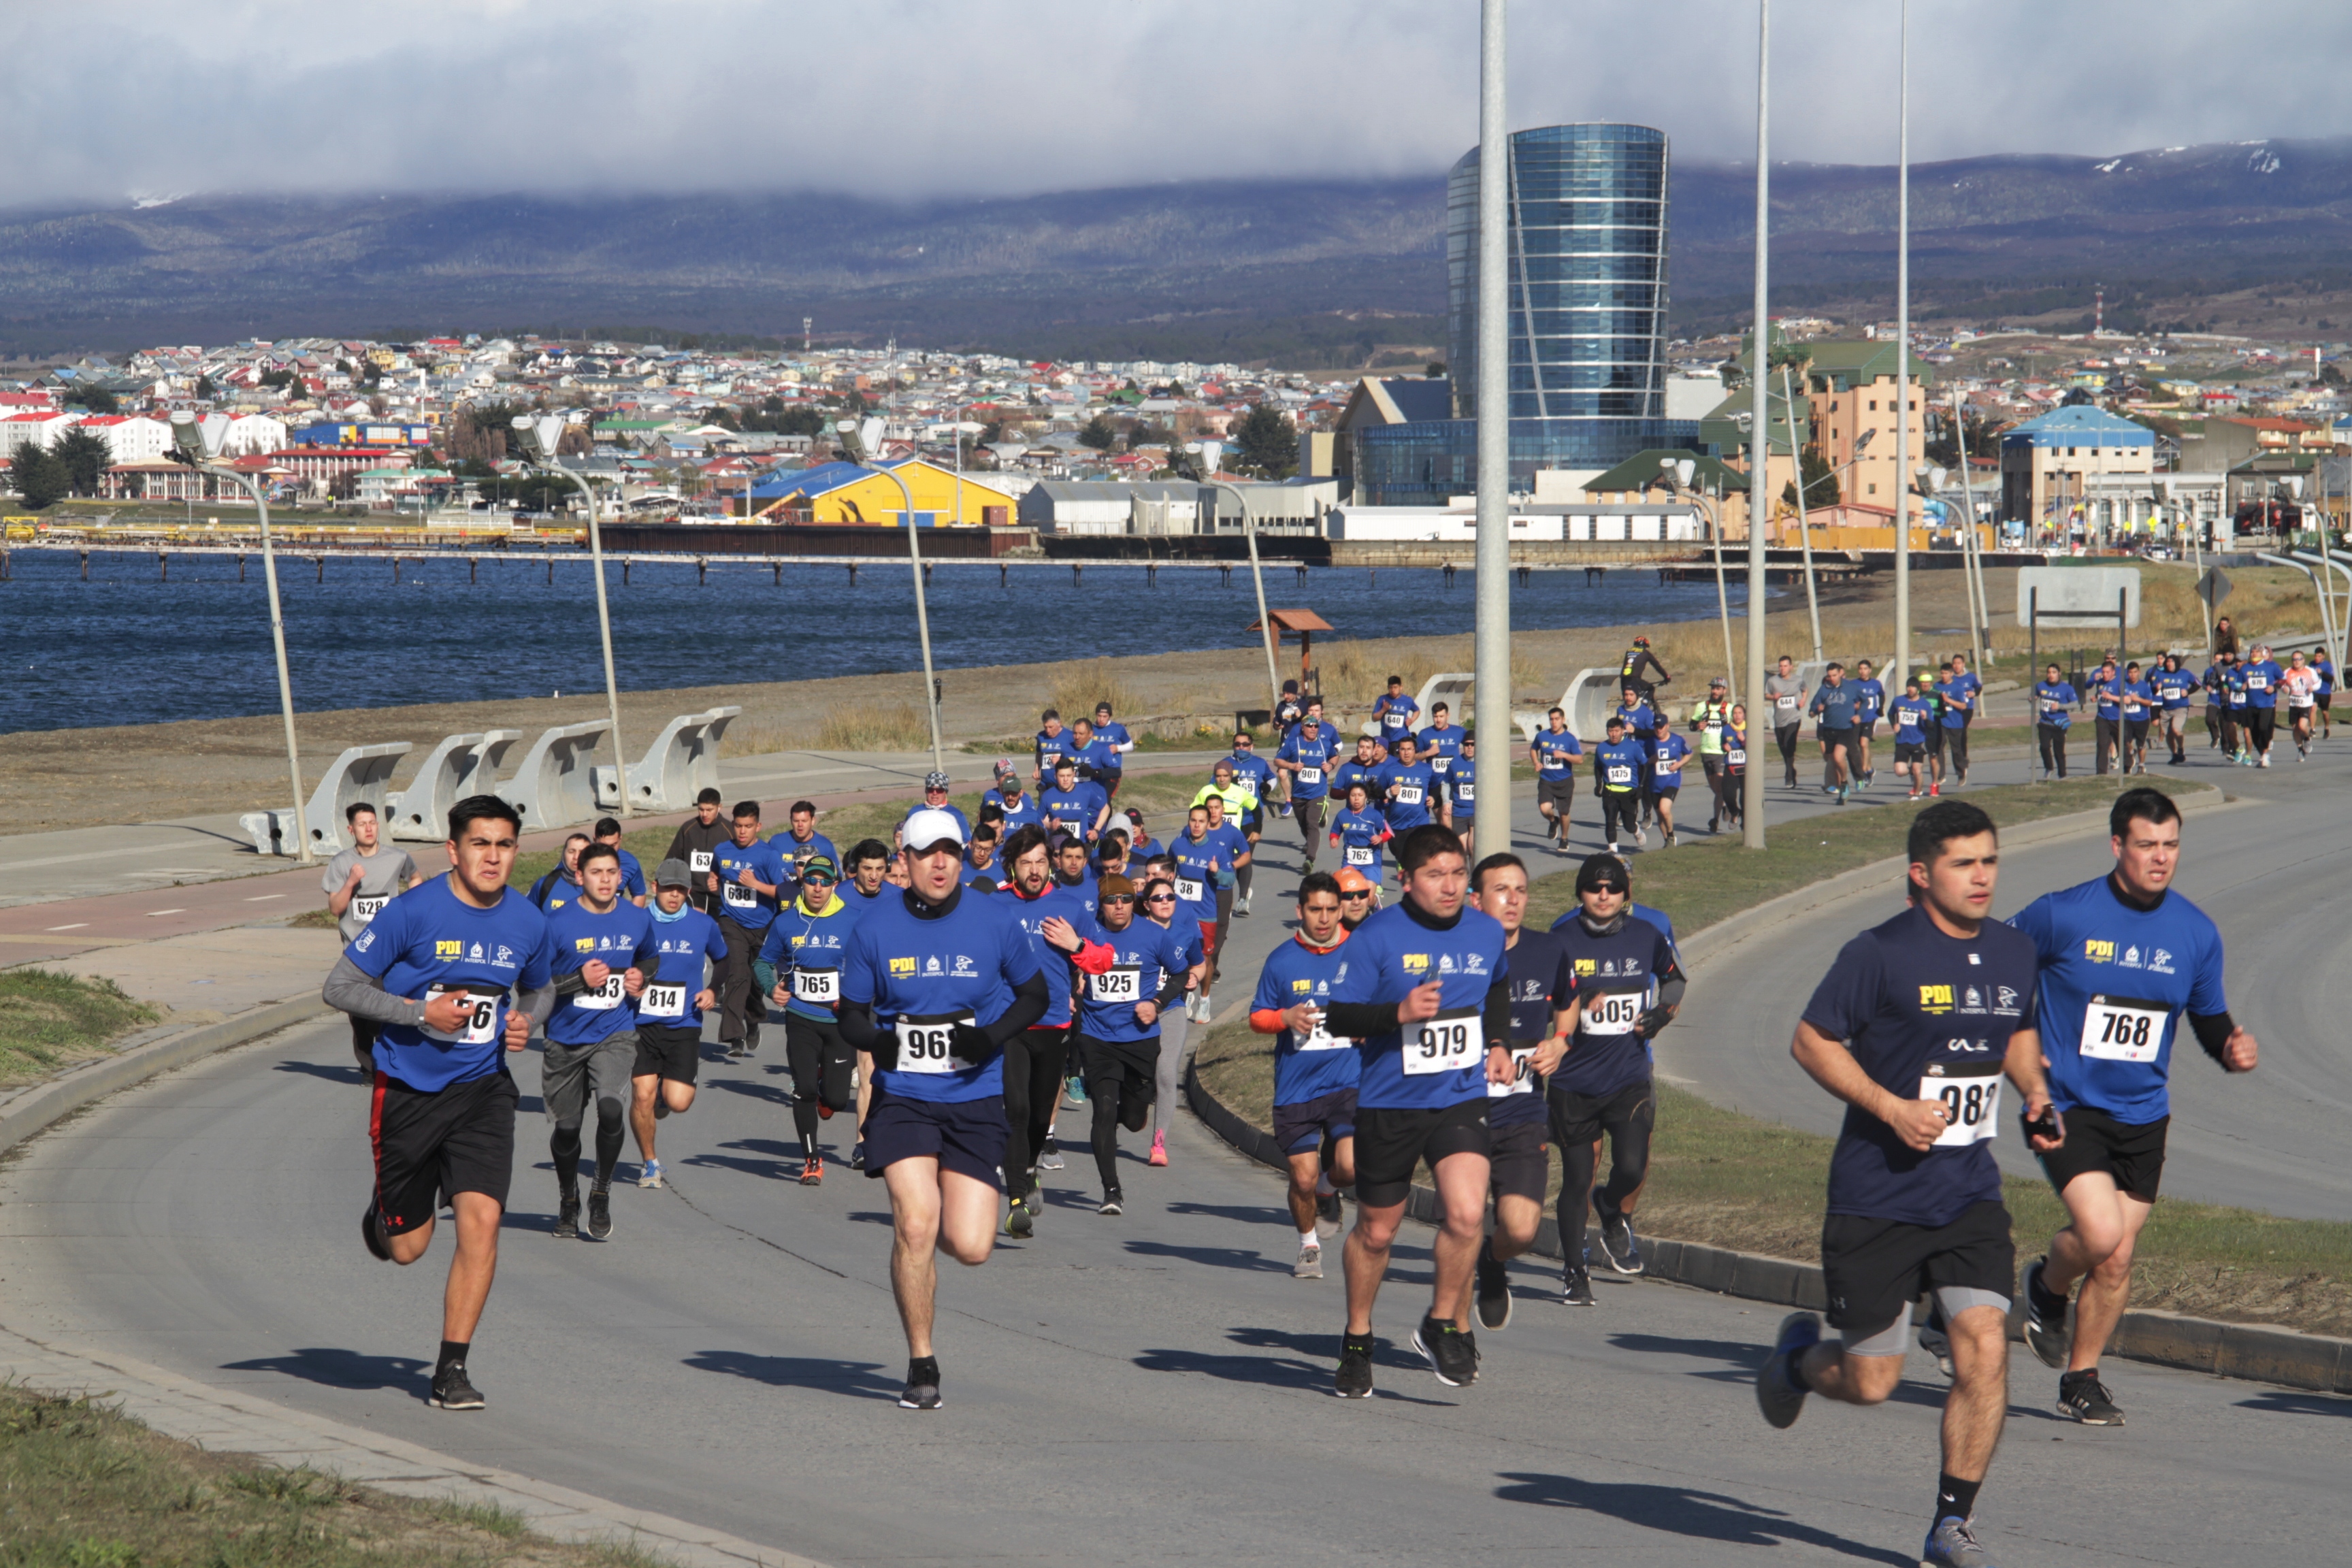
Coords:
pixel 892 98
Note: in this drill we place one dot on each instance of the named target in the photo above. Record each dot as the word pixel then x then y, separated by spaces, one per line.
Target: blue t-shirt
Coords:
pixel 796 854
pixel 1912 716
pixel 1076 905
pixel 963 822
pixel 746 906
pixel 427 941
pixel 1359 834
pixel 806 951
pixel 1407 794
pixel 576 934
pixel 1352 772
pixel 1836 705
pixel 1957 694
pixel 1540 984
pixel 1639 718
pixel 2108 695
pixel 2114 981
pixel 1439 745
pixel 1074 810
pixel 1143 957
pixel 682 942
pixel 1253 771
pixel 1396 715
pixel 2053 704
pixel 2138 701
pixel 1015 814
pixel 1324 1063
pixel 2173 686
pixel 1112 736
pixel 1441 1061
pixel 1198 864
pixel 1310 746
pixel 1051 749
pixel 2233 686
pixel 1869 700
pixel 920 975
pixel 1666 758
pixel 1462 788
pixel 1927 1016
pixel 632 874
pixel 1556 754
pixel 2326 676
pixel 554 890
pixel 1094 758
pixel 1618 766
pixel 1626 966
pixel 2262 679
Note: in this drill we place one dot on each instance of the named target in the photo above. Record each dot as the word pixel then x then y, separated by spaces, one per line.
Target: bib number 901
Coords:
pixel 1447 1043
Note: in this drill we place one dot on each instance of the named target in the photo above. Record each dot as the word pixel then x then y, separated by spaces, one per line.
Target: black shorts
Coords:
pixel 451 1141
pixel 963 1136
pixel 1581 1118
pixel 1875 1269
pixel 1391 1141
pixel 1910 751
pixel 1134 1063
pixel 2324 699
pixel 1847 737
pixel 675 1054
pixel 1666 792
pixel 1522 1161
pixel 1302 1127
pixel 1558 793
pixel 2131 1152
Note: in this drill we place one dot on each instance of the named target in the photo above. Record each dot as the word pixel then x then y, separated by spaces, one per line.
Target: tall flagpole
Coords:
pixel 1492 835
pixel 1759 441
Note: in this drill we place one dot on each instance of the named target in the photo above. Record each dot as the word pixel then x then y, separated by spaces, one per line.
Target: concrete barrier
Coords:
pixel 1587 699
pixel 680 762
pixel 460 766
pixel 554 787
pixel 360 773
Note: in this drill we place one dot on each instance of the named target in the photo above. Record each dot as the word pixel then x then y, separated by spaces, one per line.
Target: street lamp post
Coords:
pixel 1678 472
pixel 860 441
pixel 1761 429
pixel 539 438
pixel 200 437
pixel 1492 394
pixel 1198 462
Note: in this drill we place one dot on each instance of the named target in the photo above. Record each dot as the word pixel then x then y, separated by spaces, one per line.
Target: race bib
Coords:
pixel 661 1001
pixel 1310 775
pixel 1358 855
pixel 1447 1043
pixel 605 997
pixel 2258 683
pixel 739 896
pixel 1619 1013
pixel 1121 983
pixel 1466 794
pixel 1321 1039
pixel 698 862
pixel 1971 1105
pixel 927 1045
pixel 482 1021
pixel 1438 765
pixel 1786 701
pixel 1523 1075
pixel 363 908
pixel 1408 795
pixel 1189 890
pixel 2123 1029
pixel 1620 774
pixel 821 986
pixel 1736 756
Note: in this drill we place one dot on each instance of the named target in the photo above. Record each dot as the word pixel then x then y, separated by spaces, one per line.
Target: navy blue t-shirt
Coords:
pixel 1928 1016
pixel 1540 985
pixel 682 942
pixel 1607 1052
pixel 1310 746
pixel 1324 1063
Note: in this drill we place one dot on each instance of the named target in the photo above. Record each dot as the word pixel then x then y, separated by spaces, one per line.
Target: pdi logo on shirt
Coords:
pixel 450 949
pixel 1934 999
pixel 1416 963
pixel 2098 952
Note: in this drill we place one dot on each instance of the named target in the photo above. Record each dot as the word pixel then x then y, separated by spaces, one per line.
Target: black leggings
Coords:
pixel 821 1063
pixel 1616 808
pixel 2260 723
pixel 1120 1095
pixel 1578 1124
pixel 1033 1091
pixel 1788 742
pixel 1731 793
pixel 1956 747
pixel 2054 748
pixel 564 1144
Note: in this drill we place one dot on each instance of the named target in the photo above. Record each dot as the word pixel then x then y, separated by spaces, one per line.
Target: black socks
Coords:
pixel 1955 1499
pixel 453 1353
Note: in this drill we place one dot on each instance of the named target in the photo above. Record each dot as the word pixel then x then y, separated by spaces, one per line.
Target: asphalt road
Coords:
pixel 1153 1386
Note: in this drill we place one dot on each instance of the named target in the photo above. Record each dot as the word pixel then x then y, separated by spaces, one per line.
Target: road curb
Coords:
pixel 46 1104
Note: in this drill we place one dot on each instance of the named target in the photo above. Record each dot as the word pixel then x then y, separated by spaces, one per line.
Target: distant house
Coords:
pixel 2047 463
pixel 851 493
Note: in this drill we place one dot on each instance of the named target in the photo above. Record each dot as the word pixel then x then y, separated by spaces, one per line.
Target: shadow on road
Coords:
pixel 1266 1214
pixel 1742 1359
pixel 1680 1511
pixel 857 1379
pixel 1307 1367
pixel 335 1368
pixel 775 1094
pixel 1243 1258
pixel 2288 1401
pixel 347 1072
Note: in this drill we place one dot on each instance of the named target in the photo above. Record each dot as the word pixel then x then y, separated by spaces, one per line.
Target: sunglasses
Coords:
pixel 1160 899
pixel 1353 897
pixel 815 880
pixel 1119 899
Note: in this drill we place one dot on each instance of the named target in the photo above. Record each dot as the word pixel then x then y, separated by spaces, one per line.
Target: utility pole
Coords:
pixel 1759 440
pixel 1903 358
pixel 1493 835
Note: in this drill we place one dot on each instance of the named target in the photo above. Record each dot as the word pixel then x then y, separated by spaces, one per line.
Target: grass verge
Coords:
pixel 1725 1179
pixel 87 1487
pixel 48 1019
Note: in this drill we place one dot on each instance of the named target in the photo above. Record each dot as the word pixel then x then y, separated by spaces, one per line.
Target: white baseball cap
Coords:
pixel 928 829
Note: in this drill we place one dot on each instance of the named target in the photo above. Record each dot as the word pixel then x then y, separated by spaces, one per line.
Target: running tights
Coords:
pixel 1628 1130
pixel 2260 724
pixel 1241 878
pixel 821 1063
pixel 1033 1060
pixel 2053 748
pixel 1172 1023
pixel 1616 808
pixel 1787 740
pixel 564 1145
pixel 1116 1102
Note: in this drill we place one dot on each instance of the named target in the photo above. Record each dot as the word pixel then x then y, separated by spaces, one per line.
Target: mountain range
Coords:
pixel 1301 272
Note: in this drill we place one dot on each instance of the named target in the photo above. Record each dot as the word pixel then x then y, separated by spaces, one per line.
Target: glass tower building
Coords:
pixel 1587 213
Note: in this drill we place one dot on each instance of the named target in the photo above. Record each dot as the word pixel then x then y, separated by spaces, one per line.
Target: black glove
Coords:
pixel 972 1043
pixel 1650 1025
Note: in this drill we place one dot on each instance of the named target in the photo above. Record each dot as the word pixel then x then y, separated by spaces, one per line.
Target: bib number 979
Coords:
pixel 1447 1043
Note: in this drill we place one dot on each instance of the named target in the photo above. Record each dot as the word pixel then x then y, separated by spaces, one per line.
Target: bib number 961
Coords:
pixel 928 1044
pixel 1447 1043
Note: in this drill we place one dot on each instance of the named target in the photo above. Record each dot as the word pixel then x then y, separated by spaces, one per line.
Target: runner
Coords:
pixel 2173 684
pixel 1223 830
pixel 1095 758
pixel 359 882
pixel 1132 971
pixel 1628 984
pixel 1357 897
pixel 1240 804
pixel 1305 758
pixel 1117 742
pixel 561 885
pixel 1156 900
pixel 669 1012
pixel 1786 693
pixel 633 876
pixel 1074 806
pixel 800 970
pixel 1640 718
pixel 1140 845
pixel 1072 871
pixel 1554 755
pixel 1358 833
pixel 2261 678
pixel 1019 807
pixel 603 953
pixel 980 860
pixel 1365 764
pixel 1731 804
pixel 1425 988
pixel 747 874
pixel 1706 721
pixel 1051 742
pixel 2139 708
pixel 1541 1007
pixel 1958 693
pixel 433 970
pixel 1913 1027
pixel 933 984
pixel 1633 668
pixel 2110 1060
pixel 2238 721
pixel 2300 686
pixel 1835 704
pixel 696 841
pixel 1618 766
pixel 801 842
pixel 1257 775
pixel 2054 704
pixel 1461 792
pixel 1870 704
pixel 1205 872
pixel 1667 754
pixel 1930 693
pixel 935 798
pixel 2326 694
pixel 1035 1060
pixel 871 866
pixel 1440 744
pixel 1408 788
pixel 2107 709
pixel 1315 1072
pixel 1394 713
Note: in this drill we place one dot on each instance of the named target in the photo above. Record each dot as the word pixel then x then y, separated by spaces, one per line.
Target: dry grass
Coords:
pixel 1076 687
pixel 1353 673
pixel 900 727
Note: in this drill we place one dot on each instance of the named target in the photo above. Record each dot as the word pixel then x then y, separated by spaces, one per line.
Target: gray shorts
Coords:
pixel 1895 1339
pixel 571 1076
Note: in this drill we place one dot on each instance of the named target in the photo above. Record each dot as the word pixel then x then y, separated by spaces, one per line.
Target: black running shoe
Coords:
pixel 1494 1291
pixel 1448 1350
pixel 600 1213
pixel 2046 1333
pixel 453 1390
pixel 1114 1202
pixel 1327 1207
pixel 857 1155
pixel 1576 1286
pixel 567 1216
pixel 1354 1378
pixel 371 1233
pixel 922 1390
pixel 2082 1397
pixel 1618 1245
